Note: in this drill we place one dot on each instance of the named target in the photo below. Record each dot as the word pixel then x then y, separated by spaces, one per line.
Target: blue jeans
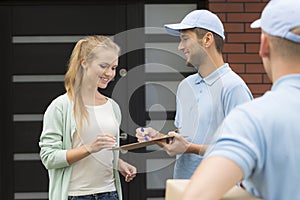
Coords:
pixel 99 196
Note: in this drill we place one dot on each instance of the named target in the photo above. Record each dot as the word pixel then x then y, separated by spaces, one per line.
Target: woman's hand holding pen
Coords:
pixel 103 141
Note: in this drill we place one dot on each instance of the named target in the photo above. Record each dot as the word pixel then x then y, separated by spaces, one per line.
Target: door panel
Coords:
pixel 72 18
pixel 165 68
pixel 43 36
pixel 26 136
pixel 35 95
pixel 30 176
pixel 40 58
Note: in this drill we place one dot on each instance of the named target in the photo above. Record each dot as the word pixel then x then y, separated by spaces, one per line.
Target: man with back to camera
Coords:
pixel 262 149
pixel 204 98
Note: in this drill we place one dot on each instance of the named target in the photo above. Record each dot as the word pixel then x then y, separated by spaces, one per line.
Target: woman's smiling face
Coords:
pixel 102 69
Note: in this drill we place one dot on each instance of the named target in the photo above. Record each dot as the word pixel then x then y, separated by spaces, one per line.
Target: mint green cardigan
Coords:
pixel 56 138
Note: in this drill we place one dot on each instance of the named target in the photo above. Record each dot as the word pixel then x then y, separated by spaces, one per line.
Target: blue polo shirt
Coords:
pixel 263 138
pixel 201 106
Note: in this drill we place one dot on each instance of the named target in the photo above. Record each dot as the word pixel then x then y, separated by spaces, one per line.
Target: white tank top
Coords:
pixel 94 173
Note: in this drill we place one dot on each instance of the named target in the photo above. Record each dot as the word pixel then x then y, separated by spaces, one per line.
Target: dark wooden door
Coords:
pixel 36 41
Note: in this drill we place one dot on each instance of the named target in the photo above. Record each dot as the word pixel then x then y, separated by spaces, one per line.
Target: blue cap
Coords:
pixel 279 18
pixel 198 19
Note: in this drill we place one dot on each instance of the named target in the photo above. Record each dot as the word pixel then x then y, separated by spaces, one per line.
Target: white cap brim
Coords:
pixel 256 24
pixel 174 29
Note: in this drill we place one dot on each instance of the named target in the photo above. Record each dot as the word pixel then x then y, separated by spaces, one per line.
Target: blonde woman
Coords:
pixel 81 125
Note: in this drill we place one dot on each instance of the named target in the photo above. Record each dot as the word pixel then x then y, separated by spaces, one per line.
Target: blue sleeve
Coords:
pixel 236 96
pixel 239 140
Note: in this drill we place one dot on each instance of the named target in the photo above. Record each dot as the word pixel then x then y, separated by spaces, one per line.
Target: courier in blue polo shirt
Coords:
pixel 204 98
pixel 202 104
pixel 259 141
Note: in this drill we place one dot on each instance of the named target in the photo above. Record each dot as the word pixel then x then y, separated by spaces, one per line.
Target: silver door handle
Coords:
pixel 123 136
pixel 123 72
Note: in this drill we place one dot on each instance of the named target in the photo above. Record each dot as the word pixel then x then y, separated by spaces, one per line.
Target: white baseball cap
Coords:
pixel 279 18
pixel 197 19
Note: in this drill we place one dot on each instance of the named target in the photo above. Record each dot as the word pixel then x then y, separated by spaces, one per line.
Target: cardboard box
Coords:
pixel 176 187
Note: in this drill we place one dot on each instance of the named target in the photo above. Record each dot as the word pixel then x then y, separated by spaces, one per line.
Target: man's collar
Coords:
pixel 213 77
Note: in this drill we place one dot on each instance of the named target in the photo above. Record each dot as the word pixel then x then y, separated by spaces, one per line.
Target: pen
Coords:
pixel 146 135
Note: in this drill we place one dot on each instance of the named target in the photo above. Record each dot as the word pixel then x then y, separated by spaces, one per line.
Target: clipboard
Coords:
pixel 137 145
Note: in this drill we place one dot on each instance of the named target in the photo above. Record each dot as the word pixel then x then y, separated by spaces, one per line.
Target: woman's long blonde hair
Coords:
pixel 83 50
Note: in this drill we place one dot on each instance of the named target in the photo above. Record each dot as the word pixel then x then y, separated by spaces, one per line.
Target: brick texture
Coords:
pixel 242 43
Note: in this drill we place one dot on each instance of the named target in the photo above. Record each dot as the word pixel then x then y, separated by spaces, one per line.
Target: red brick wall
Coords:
pixel 242 43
